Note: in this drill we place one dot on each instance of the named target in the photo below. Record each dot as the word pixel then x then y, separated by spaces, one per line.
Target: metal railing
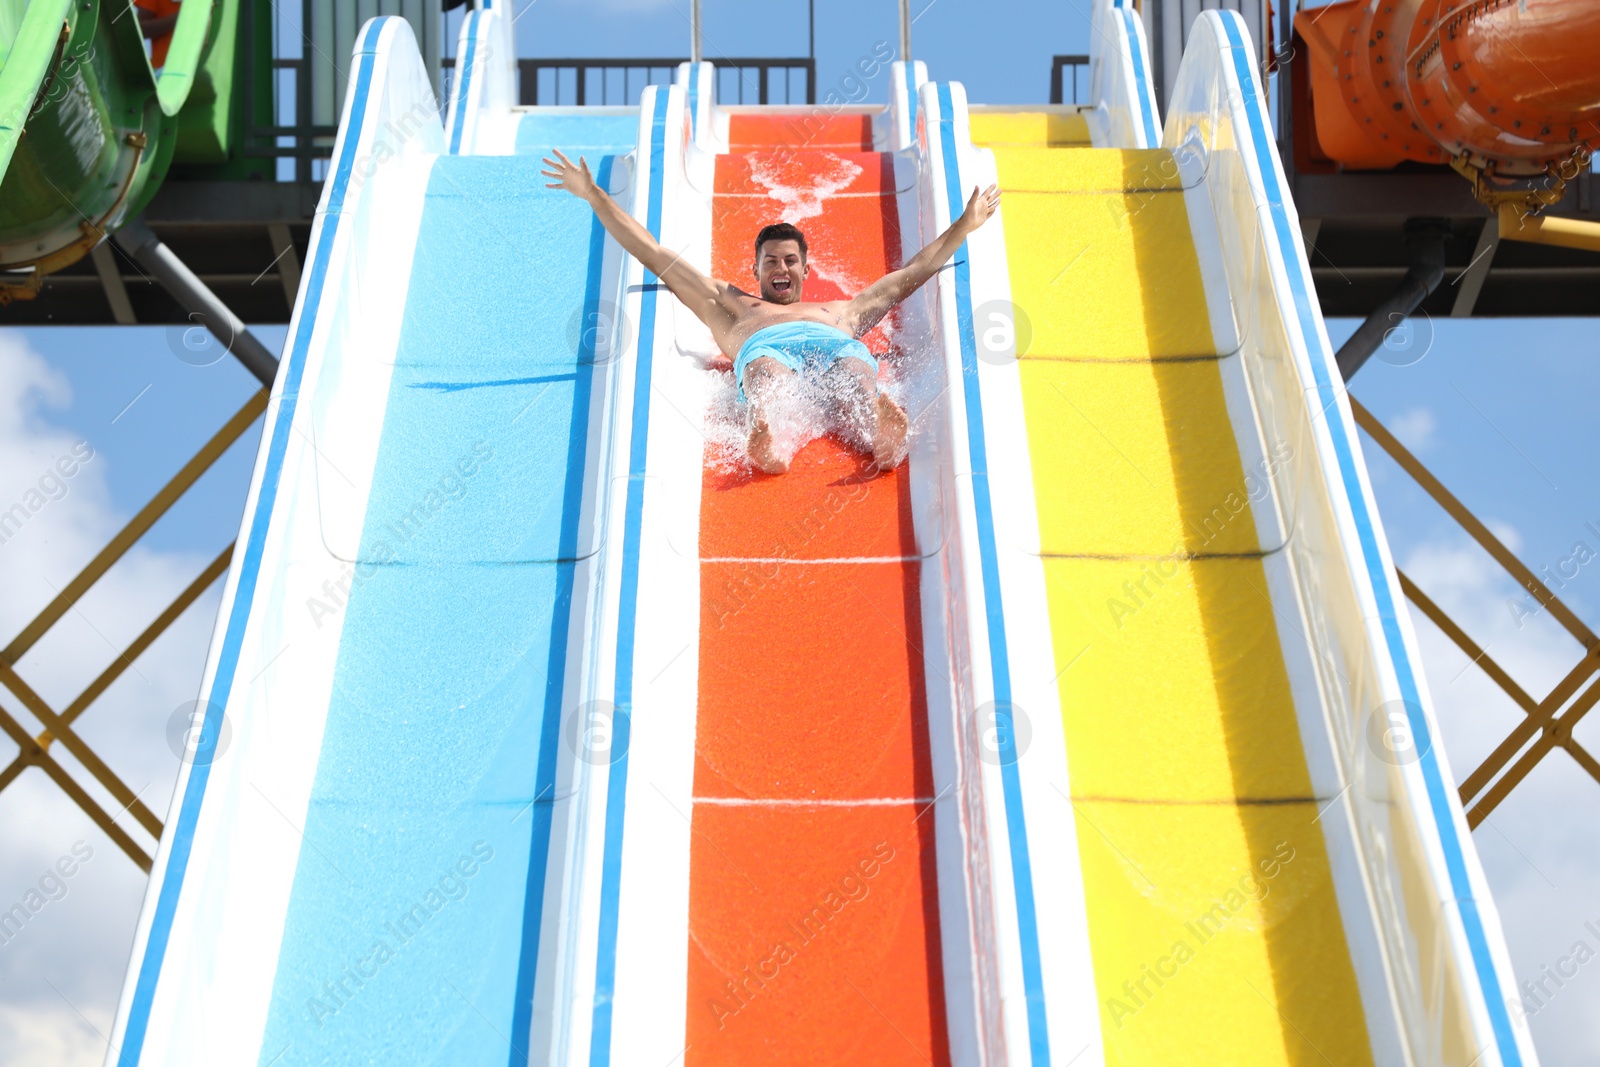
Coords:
pixel 1058 67
pixel 302 141
pixel 619 81
pixel 1168 23
pixel 581 82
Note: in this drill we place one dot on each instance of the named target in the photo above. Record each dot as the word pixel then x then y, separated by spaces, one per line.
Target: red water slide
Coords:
pixel 813 910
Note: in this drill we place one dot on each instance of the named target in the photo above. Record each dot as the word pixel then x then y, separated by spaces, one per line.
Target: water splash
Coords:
pixel 800 183
pixel 799 409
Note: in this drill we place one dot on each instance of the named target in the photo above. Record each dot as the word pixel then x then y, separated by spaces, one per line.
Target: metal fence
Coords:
pixel 1059 65
pixel 308 47
pixel 742 80
pixel 1167 24
pixel 303 145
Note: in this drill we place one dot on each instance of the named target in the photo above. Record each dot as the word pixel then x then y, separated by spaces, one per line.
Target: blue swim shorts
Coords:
pixel 800 345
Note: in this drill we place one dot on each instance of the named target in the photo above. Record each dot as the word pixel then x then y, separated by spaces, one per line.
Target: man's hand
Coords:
pixel 573 177
pixel 874 302
pixel 699 294
pixel 980 208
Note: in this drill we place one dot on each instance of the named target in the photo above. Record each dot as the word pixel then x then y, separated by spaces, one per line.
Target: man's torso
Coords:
pixel 750 314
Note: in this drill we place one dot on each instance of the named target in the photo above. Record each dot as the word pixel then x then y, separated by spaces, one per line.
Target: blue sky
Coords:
pixel 978 43
pixel 1501 410
pixel 1508 427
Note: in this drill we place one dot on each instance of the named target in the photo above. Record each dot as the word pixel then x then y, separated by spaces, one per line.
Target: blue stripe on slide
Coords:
pixel 464 86
pixel 1016 825
pixel 1140 81
pixel 605 981
pixel 182 830
pixel 1439 796
pixel 522 1020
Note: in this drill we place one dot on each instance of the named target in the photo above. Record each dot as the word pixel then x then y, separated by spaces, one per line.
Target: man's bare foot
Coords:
pixel 760 448
pixel 889 439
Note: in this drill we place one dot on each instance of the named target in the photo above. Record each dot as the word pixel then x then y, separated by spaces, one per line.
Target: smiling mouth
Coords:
pixel 780 285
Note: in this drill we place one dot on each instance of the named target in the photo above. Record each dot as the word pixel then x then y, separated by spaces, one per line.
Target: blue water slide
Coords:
pixel 357 861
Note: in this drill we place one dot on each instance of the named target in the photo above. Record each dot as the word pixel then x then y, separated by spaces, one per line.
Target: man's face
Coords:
pixel 781 269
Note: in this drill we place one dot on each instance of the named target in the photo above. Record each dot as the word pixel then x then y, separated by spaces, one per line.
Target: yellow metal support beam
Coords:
pixel 1478 531
pixel 1541 717
pixel 1558 732
pixel 1546 715
pixel 231 431
pixel 1499 676
pixel 36 755
pixel 75 744
pixel 58 727
pixel 1478 655
pixel 1516 224
pixel 214 570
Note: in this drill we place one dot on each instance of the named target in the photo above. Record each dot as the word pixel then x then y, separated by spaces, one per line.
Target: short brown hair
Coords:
pixel 781 231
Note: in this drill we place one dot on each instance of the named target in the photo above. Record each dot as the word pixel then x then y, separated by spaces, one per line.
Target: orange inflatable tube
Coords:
pixel 1509 85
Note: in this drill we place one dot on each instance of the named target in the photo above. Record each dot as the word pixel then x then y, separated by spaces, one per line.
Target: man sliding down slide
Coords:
pixel 774 336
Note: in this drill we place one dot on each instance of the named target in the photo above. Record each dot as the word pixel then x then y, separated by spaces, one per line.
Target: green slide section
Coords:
pixel 88 129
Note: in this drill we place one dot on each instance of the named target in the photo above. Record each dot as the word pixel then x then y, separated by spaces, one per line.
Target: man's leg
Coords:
pixel 759 378
pixel 877 420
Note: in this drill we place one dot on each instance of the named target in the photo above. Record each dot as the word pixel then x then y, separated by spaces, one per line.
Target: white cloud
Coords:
pixel 38 1037
pixel 61 973
pixel 1508 534
pixel 1414 428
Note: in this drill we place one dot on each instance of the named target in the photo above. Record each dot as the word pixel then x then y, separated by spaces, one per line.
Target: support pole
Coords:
pixel 1517 224
pixel 136 239
pixel 694 30
pixel 1469 283
pixel 1426 238
pixel 1283 59
pixel 905 31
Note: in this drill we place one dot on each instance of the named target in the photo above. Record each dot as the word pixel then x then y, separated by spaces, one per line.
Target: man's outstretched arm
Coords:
pixel 698 292
pixel 877 299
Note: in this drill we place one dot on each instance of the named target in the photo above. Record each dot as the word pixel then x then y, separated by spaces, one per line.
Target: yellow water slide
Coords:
pixel 1214 924
pixel 1221 829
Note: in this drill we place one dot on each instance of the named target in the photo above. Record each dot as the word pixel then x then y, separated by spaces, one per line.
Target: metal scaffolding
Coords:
pixel 57 725
pixel 1549 721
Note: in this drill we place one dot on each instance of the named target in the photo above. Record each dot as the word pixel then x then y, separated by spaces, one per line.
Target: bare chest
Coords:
pixel 758 314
